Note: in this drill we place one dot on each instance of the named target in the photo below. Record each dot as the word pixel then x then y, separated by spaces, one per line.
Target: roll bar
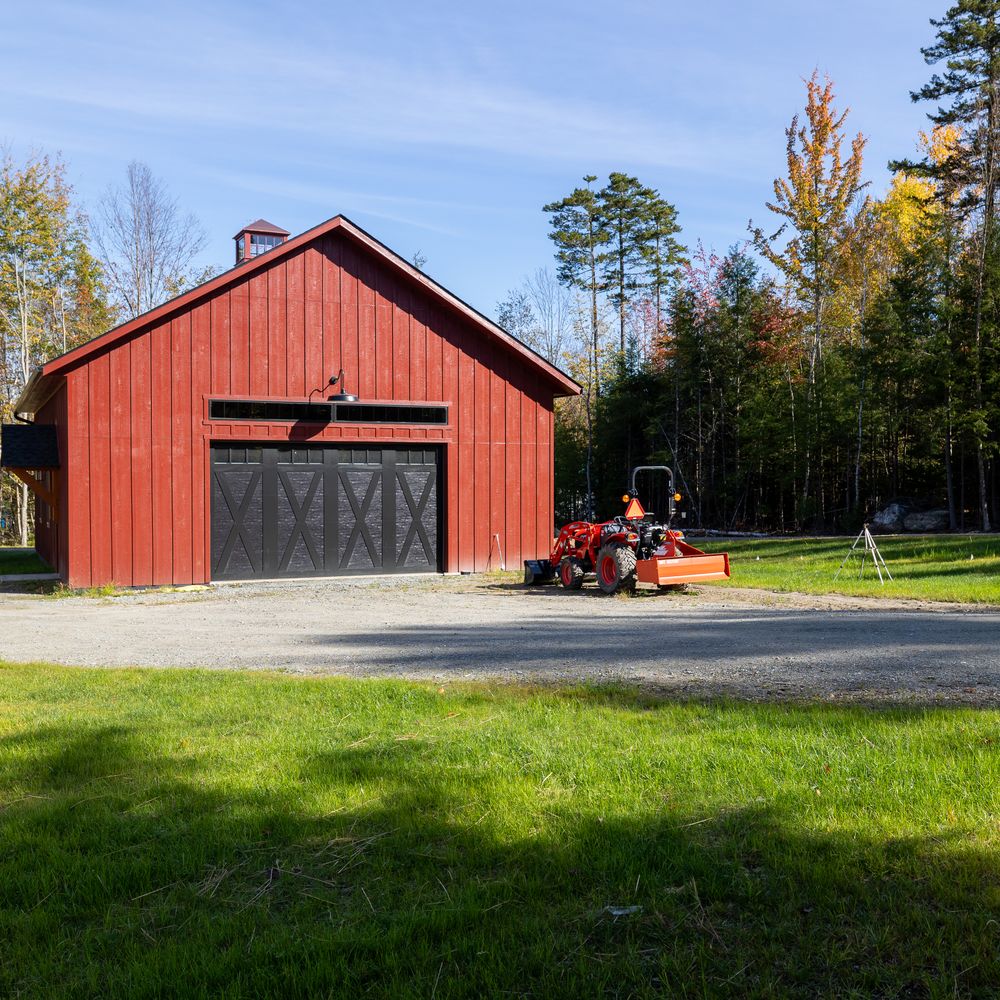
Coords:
pixel 653 468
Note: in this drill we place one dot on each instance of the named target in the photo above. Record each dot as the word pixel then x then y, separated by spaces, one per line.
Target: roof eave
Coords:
pixel 568 385
pixel 37 391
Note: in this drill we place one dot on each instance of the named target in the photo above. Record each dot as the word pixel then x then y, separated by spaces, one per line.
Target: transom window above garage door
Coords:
pixel 353 413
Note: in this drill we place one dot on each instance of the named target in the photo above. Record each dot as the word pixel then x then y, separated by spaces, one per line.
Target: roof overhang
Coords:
pixel 561 383
pixel 36 393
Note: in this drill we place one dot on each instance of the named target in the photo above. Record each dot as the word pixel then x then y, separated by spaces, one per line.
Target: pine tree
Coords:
pixel 579 235
pixel 625 210
pixel 663 253
pixel 966 93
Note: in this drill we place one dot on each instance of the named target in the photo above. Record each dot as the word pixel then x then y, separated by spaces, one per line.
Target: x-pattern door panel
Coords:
pixel 416 518
pixel 237 522
pixel 360 497
pixel 300 520
pixel 284 511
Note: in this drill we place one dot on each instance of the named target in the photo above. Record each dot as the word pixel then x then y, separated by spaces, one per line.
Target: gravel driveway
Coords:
pixel 708 642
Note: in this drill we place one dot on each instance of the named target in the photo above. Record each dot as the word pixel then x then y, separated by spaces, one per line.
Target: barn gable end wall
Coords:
pixel 137 433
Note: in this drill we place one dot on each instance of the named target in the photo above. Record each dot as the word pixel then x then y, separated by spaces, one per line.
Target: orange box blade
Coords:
pixel 699 568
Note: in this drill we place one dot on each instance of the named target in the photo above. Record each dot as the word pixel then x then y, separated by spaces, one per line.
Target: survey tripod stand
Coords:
pixel 870 551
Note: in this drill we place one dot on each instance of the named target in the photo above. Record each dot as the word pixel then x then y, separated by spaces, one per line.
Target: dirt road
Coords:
pixel 745 644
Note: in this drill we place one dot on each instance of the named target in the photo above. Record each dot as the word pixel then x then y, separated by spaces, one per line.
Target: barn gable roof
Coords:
pixel 563 384
pixel 262 226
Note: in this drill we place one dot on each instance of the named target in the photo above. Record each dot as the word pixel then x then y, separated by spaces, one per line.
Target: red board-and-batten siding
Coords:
pixel 137 454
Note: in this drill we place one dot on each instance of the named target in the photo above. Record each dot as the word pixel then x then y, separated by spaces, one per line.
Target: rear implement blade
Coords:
pixel 700 568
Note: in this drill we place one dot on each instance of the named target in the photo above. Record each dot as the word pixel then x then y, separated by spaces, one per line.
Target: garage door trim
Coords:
pixel 291 509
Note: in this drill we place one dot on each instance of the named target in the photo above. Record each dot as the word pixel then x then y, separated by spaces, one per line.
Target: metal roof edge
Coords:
pixel 573 388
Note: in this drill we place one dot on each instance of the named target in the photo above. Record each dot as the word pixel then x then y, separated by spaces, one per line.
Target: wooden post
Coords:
pixel 41 491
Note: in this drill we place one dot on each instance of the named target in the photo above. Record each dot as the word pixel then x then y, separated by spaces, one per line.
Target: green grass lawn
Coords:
pixel 197 834
pixel 963 568
pixel 13 560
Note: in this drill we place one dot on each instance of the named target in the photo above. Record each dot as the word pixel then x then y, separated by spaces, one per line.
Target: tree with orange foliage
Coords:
pixel 818 201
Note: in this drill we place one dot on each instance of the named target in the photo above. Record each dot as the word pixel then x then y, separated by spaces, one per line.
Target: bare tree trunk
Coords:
pixel 857 457
pixel 948 475
pixel 795 447
pixel 986 238
pixel 961 488
pixel 590 455
pixel 23 514
pixel 621 303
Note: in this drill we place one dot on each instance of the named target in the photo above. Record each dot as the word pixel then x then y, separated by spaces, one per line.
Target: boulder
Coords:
pixel 928 520
pixel 891 517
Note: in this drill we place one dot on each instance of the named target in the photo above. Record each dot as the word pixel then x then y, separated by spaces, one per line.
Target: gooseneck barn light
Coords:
pixel 340 397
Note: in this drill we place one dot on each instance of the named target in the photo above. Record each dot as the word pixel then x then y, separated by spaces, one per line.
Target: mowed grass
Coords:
pixel 17 561
pixel 963 568
pixel 199 834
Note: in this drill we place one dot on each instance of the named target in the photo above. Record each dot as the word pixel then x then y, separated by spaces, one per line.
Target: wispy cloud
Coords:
pixel 334 198
pixel 222 78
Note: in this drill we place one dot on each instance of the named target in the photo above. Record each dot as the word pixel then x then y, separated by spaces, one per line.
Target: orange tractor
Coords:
pixel 631 548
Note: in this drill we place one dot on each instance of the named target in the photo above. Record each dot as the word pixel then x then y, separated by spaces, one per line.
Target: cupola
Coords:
pixel 258 238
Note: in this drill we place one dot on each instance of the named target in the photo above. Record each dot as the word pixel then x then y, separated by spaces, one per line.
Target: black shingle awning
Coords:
pixel 28 446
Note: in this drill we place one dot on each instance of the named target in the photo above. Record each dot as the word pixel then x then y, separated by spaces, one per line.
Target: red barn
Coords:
pixel 322 408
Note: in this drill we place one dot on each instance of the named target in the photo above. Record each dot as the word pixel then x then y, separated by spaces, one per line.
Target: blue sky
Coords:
pixel 444 127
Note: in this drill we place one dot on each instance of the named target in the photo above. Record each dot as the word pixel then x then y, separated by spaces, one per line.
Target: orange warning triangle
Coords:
pixel 634 511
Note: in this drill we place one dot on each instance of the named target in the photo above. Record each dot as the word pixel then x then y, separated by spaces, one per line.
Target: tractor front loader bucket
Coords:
pixel 538 571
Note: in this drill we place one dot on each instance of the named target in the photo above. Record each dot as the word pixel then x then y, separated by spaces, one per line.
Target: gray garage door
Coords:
pixel 323 511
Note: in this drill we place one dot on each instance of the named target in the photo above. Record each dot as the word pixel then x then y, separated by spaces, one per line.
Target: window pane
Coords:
pixel 368 413
pixel 237 409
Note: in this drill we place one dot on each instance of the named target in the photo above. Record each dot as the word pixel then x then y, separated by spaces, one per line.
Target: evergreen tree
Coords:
pixel 663 254
pixel 579 234
pixel 967 94
pixel 625 208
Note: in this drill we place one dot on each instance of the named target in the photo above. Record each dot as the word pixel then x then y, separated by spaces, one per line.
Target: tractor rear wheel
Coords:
pixel 616 568
pixel 571 573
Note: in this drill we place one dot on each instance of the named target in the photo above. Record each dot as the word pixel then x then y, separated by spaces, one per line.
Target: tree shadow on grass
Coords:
pixel 126 871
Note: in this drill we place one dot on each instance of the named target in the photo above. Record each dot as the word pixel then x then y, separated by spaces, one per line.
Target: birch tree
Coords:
pixel 51 296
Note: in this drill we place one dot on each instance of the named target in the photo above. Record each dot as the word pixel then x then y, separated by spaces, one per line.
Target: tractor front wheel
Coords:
pixel 571 573
pixel 616 568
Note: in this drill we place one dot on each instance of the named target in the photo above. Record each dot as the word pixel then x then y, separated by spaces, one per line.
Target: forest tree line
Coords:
pixel 845 354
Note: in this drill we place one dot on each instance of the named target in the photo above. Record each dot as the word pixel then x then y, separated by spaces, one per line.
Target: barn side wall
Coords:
pixel 50 525
pixel 140 433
